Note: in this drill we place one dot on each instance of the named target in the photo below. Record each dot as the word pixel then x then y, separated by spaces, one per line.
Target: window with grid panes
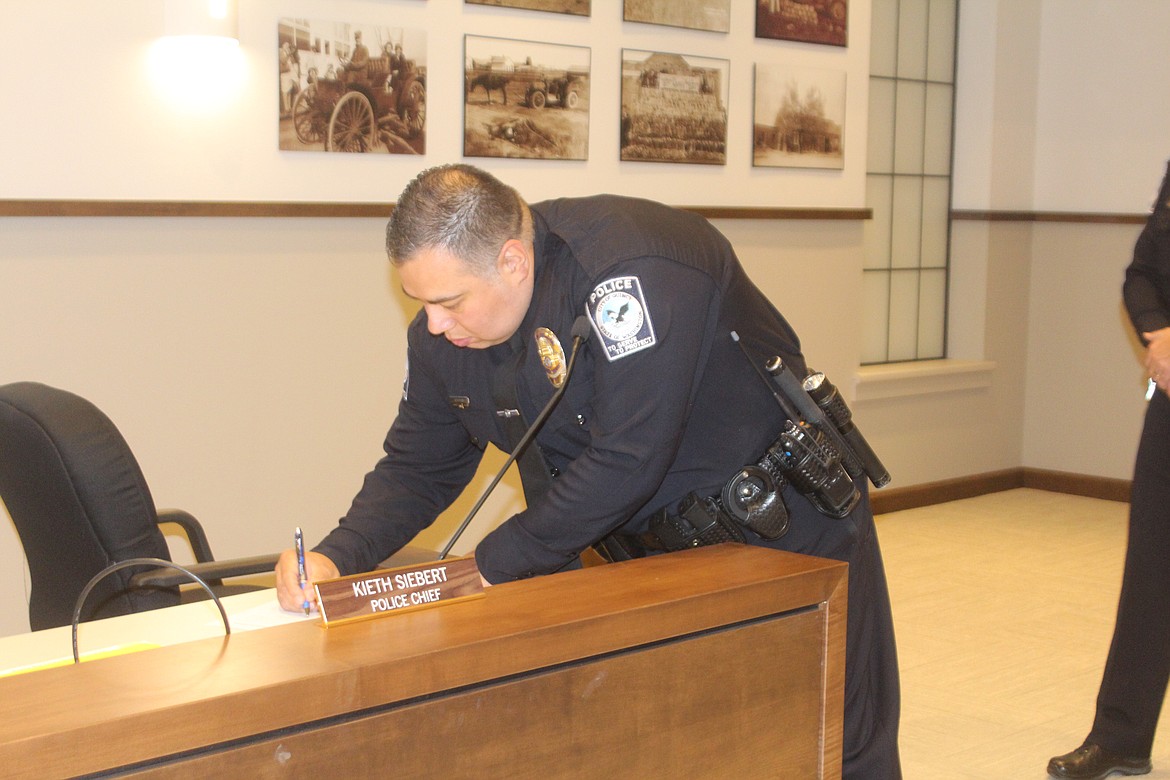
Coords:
pixel 908 179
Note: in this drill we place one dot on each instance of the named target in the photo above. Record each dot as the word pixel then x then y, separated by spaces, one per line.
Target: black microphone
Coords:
pixel 580 333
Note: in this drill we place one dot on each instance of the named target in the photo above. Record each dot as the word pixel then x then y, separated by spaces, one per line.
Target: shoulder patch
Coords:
pixel 620 317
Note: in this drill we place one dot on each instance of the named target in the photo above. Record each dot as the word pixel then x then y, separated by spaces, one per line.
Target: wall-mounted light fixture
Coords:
pixel 215 18
pixel 196 64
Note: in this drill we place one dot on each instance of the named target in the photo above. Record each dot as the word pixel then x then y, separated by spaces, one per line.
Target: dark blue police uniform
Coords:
pixel 1133 686
pixel 663 401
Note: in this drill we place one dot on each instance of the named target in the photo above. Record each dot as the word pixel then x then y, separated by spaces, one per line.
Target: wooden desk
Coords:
pixel 717 662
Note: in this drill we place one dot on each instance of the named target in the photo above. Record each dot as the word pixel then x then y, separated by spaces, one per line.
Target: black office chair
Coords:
pixel 80 503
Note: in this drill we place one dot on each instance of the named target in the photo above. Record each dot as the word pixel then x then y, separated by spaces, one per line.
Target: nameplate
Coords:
pixel 393 591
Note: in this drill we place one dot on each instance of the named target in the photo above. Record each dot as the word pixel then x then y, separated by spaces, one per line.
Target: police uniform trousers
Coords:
pixel 1138 666
pixel 872 690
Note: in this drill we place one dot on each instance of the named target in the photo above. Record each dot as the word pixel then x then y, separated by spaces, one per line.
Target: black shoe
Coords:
pixel 1093 762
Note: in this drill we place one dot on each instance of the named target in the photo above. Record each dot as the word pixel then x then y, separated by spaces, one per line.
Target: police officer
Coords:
pixel 665 404
pixel 1133 685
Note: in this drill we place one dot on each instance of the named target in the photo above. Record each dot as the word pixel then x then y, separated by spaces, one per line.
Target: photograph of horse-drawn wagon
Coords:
pixel 352 101
pixel 525 99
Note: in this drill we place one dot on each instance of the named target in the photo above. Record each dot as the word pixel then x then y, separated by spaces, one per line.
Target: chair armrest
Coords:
pixel 260 564
pixel 192 528
pixel 211 572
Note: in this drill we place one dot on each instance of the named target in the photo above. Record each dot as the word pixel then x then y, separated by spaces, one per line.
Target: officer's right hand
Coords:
pixel 288 585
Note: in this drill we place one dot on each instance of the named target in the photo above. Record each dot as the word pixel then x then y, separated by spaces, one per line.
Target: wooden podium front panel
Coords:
pixel 745 701
pixel 688 663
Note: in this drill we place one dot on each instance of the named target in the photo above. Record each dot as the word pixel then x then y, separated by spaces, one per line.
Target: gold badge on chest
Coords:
pixel 552 356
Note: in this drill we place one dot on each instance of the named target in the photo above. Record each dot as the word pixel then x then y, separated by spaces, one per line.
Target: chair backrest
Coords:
pixel 79 501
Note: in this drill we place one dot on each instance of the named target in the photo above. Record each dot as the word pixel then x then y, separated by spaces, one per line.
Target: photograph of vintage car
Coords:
pixel 525 99
pixel 348 87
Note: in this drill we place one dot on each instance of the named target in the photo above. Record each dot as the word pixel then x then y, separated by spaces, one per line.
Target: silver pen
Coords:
pixel 299 541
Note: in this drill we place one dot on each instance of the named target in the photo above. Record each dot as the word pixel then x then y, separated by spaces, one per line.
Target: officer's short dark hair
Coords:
pixel 461 209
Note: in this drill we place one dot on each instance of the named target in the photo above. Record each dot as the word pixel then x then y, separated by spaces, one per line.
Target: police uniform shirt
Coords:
pixel 1147 279
pixel 662 400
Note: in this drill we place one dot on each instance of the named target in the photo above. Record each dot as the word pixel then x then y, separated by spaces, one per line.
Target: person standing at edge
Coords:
pixel 664 403
pixel 1133 686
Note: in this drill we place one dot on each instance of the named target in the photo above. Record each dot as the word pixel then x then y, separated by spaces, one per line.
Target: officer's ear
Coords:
pixel 515 261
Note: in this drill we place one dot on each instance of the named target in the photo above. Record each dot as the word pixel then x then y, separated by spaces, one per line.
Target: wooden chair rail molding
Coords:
pixel 928 493
pixel 1088 218
pixel 193 208
pixel 178 208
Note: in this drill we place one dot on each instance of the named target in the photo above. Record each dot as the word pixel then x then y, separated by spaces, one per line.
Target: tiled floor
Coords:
pixel 1003 607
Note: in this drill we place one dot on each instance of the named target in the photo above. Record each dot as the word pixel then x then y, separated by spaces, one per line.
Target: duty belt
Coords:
pixel 750 500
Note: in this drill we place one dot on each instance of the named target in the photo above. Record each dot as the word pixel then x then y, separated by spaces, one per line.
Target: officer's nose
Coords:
pixel 438 320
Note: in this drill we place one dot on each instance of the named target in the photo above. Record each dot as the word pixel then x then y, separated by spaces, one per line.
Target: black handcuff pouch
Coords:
pixel 752 497
pixel 697 523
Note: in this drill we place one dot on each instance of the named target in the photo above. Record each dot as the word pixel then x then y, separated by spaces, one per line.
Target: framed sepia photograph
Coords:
pixel 713 15
pixel 347 87
pixel 799 117
pixel 810 21
pixel 525 99
pixel 674 108
pixel 575 7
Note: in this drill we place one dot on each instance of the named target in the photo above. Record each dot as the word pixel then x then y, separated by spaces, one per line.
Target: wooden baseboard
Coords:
pixel 928 493
pixel 1078 484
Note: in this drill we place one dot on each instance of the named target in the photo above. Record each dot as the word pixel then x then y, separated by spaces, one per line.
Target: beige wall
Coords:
pixel 942 429
pixel 1085 382
pixel 1043 90
pixel 254 364
pixel 112 120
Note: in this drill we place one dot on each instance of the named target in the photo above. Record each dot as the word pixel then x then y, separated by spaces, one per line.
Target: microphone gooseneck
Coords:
pixel 129 562
pixel 580 333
